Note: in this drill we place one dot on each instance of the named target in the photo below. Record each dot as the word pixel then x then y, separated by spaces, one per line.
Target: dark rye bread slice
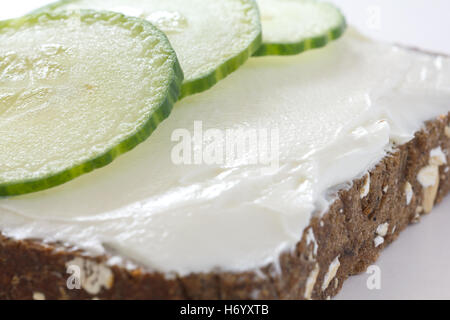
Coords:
pixel 33 270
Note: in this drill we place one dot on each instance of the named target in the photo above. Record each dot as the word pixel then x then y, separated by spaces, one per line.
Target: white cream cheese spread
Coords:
pixel 336 112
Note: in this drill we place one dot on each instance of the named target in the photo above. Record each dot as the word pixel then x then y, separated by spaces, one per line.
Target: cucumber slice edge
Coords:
pixel 288 49
pixel 228 67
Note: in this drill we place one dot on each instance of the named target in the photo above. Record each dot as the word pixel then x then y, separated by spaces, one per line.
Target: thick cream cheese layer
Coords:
pixel 337 111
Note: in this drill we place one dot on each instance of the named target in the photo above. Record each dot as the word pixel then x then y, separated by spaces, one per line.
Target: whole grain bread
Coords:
pixel 365 217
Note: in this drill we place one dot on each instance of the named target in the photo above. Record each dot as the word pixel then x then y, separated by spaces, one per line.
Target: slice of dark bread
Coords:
pixel 341 243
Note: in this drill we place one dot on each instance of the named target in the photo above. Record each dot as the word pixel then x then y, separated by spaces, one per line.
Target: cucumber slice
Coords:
pixel 293 26
pixel 76 91
pixel 211 38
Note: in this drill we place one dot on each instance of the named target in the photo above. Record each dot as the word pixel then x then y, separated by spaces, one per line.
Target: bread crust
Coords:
pixel 333 247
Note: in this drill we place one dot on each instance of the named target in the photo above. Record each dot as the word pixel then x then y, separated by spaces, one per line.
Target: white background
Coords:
pixel 417 265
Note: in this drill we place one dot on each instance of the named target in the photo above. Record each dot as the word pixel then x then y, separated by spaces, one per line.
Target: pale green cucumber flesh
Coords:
pixel 211 38
pixel 76 91
pixel 294 26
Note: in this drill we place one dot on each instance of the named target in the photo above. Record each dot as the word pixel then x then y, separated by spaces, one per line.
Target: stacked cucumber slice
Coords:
pixel 212 38
pixel 82 83
pixel 294 26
